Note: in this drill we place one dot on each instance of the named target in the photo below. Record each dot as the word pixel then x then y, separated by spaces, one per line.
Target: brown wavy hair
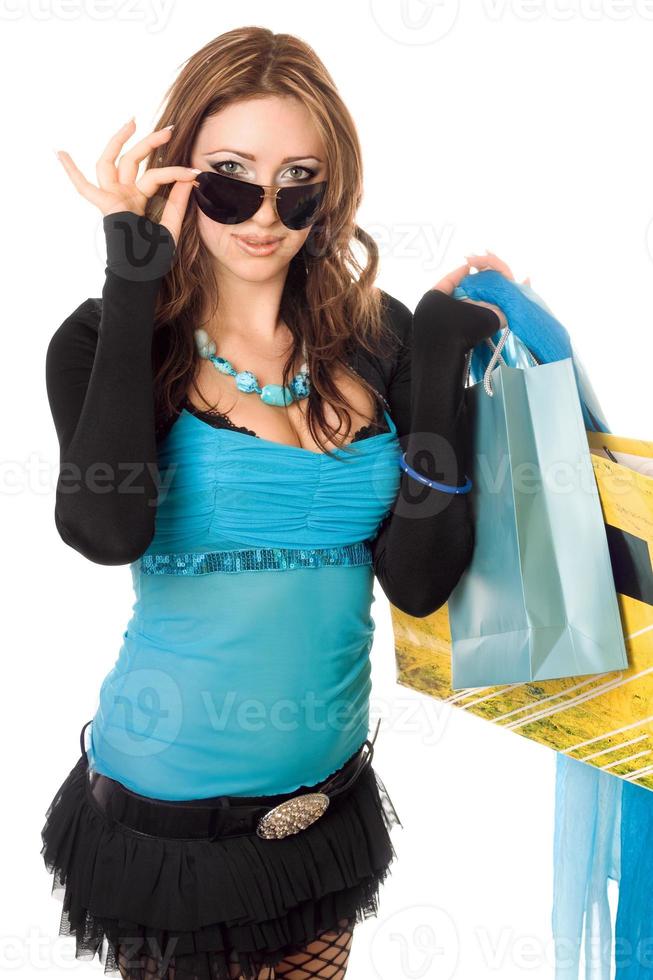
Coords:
pixel 329 298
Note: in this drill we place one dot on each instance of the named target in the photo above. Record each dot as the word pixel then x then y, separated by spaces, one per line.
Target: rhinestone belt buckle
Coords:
pixel 293 815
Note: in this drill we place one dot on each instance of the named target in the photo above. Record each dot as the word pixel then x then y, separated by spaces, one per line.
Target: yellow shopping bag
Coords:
pixel 603 719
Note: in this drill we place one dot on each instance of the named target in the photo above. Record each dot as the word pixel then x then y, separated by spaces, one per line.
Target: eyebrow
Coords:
pixel 250 156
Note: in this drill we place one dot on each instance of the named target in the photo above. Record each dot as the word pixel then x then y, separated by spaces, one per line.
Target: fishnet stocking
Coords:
pixel 325 957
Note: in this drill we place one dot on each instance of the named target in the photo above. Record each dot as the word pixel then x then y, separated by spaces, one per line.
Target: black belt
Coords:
pixel 224 816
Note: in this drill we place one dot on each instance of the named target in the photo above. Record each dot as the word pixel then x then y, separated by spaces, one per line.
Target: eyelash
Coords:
pixel 309 171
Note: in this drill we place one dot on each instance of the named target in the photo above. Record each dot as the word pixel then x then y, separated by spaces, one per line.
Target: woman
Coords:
pixel 253 523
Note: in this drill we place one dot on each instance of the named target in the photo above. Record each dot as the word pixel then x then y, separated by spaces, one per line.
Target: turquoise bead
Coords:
pixel 278 395
pixel 222 364
pixel 246 381
pixel 300 386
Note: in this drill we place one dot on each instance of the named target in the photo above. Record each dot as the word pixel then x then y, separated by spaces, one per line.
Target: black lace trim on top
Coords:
pixel 218 419
pixel 222 421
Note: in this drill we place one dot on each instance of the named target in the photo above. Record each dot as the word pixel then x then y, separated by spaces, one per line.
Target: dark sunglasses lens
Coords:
pixel 297 205
pixel 226 199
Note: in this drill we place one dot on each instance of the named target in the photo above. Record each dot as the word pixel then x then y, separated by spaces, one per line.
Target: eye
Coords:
pixel 307 170
pixel 296 172
pixel 224 163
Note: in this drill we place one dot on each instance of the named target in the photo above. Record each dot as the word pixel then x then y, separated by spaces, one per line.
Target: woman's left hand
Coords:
pixel 480 262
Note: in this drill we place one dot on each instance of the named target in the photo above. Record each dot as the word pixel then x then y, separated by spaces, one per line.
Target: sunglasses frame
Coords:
pixel 264 188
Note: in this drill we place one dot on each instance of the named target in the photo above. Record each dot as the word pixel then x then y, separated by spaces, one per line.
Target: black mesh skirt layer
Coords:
pixel 192 908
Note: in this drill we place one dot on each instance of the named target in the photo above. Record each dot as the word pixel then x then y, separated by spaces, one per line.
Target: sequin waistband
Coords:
pixel 255 559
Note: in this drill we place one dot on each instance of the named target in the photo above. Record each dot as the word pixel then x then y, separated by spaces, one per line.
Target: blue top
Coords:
pixel 244 669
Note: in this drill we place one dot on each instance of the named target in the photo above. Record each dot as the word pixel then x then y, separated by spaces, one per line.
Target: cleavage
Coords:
pixel 220 419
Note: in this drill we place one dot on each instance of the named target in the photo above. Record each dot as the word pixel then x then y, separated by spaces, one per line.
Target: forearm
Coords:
pixel 425 544
pixel 103 406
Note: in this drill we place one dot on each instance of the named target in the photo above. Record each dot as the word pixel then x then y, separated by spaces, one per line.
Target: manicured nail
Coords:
pixel 194 170
pixel 171 126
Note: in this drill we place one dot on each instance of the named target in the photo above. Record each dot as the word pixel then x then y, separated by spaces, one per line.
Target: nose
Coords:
pixel 268 206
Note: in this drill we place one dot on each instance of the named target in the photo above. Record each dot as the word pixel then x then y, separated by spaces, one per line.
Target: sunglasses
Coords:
pixel 231 201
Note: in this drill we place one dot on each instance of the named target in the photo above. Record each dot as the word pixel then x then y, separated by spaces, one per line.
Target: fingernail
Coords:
pixel 171 126
pixel 194 170
pixel 56 153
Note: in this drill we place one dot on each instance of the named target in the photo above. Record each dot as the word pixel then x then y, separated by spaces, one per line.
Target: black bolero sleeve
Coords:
pixel 426 542
pixel 99 385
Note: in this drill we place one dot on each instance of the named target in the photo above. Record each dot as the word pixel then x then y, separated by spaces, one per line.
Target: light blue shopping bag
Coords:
pixel 538 599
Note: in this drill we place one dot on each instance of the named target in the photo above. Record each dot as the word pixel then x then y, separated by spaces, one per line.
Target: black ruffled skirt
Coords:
pixel 199 905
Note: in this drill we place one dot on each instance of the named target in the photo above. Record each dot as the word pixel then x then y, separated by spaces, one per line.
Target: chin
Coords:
pixel 254 269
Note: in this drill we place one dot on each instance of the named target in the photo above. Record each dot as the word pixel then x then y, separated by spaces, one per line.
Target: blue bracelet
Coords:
pixel 465 488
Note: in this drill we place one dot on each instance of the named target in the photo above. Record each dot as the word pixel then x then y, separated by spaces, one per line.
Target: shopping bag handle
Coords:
pixel 496 356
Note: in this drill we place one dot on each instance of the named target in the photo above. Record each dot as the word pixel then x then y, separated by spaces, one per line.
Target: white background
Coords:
pixel 521 128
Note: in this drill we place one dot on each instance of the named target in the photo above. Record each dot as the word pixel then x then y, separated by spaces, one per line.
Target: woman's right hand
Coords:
pixel 461 323
pixel 119 190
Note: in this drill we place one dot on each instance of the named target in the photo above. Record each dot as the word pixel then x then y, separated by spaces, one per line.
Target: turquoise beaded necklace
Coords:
pixel 247 382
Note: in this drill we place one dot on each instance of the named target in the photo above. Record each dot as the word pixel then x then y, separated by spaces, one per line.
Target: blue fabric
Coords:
pixel 634 923
pixel 533 323
pixel 245 682
pixel 586 855
pixel 595 811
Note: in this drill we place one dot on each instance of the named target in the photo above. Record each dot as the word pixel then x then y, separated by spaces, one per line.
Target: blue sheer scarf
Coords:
pixel 603 824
